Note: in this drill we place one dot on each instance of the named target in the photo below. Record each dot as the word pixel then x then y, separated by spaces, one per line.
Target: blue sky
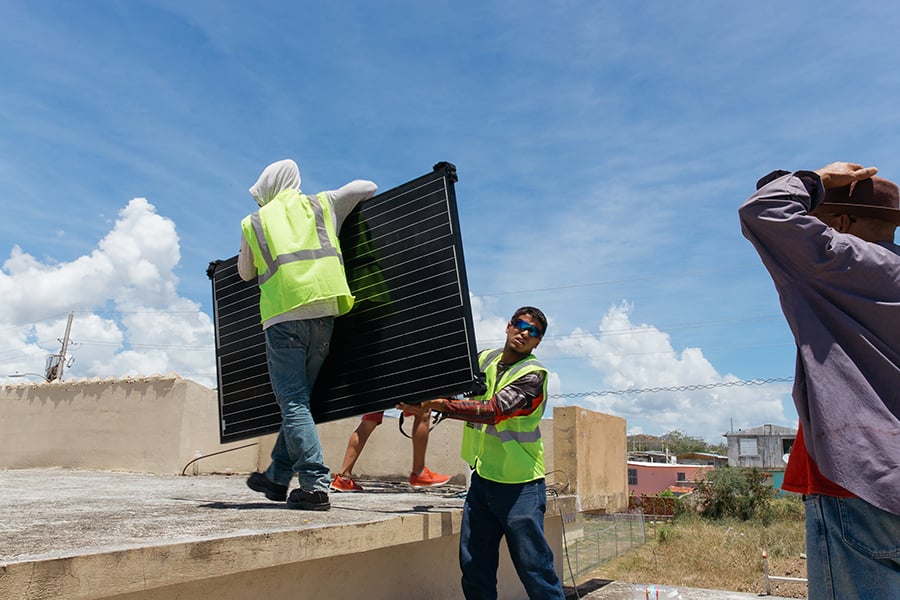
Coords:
pixel 603 150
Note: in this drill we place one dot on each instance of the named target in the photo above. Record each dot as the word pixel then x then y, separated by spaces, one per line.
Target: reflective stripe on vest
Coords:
pixel 296 251
pixel 511 451
pixel 505 435
pixel 511 374
pixel 273 262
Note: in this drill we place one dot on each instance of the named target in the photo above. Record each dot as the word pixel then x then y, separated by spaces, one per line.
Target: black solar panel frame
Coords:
pixel 409 338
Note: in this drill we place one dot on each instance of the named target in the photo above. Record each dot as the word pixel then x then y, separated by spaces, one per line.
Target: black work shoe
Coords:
pixel 302 500
pixel 258 482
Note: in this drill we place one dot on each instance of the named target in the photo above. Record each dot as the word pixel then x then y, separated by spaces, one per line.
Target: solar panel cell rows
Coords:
pixel 409 337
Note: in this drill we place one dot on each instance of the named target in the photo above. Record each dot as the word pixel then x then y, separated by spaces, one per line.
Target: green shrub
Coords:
pixel 665 532
pixel 788 507
pixel 737 492
pixel 684 505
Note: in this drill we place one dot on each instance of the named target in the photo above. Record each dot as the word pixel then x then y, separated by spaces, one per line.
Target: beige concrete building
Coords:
pixel 140 434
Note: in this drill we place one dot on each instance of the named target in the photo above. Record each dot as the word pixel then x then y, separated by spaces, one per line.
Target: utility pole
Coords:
pixel 55 368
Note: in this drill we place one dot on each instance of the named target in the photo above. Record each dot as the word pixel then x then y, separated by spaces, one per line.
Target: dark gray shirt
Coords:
pixel 841 298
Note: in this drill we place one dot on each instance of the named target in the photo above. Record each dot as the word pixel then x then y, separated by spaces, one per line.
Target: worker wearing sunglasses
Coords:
pixel 502 443
pixel 533 330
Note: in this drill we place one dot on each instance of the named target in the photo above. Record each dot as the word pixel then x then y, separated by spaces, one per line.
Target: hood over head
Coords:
pixel 277 177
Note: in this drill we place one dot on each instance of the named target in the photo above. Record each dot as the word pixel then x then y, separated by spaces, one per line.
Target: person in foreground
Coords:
pixel 420 476
pixel 502 443
pixel 827 239
pixel 290 246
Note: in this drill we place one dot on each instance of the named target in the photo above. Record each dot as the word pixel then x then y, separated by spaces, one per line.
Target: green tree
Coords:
pixel 681 443
pixel 739 492
pixel 721 449
pixel 676 442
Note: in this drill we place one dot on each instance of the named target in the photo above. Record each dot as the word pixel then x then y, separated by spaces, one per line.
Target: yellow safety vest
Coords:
pixel 511 451
pixel 297 253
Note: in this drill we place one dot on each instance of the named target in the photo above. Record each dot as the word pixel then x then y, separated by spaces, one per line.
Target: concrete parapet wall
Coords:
pixel 159 424
pixel 590 448
pixel 148 425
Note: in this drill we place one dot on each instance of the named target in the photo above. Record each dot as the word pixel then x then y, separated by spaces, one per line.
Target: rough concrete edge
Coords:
pixel 123 570
pixel 118 571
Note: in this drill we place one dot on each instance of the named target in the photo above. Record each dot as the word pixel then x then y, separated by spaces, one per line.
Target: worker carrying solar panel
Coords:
pixel 409 336
pixel 291 247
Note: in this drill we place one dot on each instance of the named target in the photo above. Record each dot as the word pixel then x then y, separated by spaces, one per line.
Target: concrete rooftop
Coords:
pixel 56 516
pixel 53 513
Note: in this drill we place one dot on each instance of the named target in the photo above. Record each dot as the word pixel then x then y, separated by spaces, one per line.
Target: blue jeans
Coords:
pixel 852 549
pixel 295 351
pixel 515 510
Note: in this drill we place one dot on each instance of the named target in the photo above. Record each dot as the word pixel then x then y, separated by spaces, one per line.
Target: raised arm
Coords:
pixel 346 197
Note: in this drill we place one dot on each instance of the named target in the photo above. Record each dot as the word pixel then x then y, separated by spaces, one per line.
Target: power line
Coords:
pixel 632 330
pixel 207 347
pixel 485 342
pixel 643 329
pixel 32 324
pixel 104 312
pixel 673 352
pixel 142 312
pixel 5 354
pixel 674 275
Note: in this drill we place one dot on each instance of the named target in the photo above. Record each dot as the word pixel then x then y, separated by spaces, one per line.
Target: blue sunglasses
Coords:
pixel 525 326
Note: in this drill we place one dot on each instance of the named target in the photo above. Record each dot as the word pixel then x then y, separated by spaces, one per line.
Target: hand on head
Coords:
pixel 839 174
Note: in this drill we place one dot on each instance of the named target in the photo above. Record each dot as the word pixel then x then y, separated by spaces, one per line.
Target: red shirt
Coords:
pixel 803 476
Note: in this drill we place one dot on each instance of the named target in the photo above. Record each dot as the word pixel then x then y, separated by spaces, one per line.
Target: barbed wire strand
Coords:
pixel 676 388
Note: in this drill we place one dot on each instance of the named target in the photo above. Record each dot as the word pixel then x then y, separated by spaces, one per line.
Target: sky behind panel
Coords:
pixel 603 150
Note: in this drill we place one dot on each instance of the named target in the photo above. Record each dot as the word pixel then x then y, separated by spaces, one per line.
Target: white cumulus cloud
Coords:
pixel 128 316
pixel 622 355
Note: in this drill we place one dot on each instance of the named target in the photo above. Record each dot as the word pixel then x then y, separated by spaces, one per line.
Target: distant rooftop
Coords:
pixel 764 430
pixel 17 382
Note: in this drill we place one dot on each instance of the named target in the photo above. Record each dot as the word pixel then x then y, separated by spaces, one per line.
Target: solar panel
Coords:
pixel 409 337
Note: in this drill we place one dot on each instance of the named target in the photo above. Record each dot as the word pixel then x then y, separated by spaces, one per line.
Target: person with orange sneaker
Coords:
pixel 420 476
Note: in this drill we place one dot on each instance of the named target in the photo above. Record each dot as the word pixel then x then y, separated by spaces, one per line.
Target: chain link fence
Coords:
pixel 594 539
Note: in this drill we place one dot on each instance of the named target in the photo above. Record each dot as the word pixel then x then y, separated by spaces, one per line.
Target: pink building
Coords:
pixel 651 478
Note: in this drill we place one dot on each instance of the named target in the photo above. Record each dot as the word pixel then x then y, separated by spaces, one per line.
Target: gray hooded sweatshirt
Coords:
pixel 282 175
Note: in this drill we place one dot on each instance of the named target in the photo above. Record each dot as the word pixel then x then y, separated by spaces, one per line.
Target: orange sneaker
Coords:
pixel 427 479
pixel 345 483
